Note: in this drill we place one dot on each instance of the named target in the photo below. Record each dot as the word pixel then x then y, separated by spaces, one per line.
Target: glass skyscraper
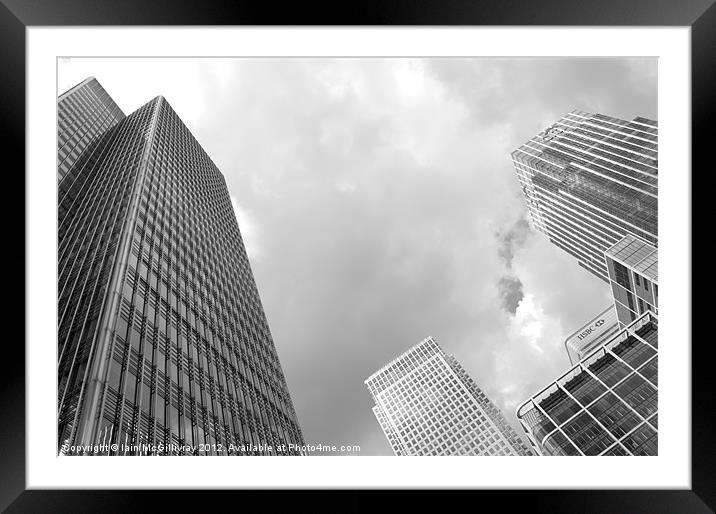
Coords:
pixel 634 276
pixel 84 114
pixel 427 404
pixel 604 405
pixel 589 180
pixel 163 344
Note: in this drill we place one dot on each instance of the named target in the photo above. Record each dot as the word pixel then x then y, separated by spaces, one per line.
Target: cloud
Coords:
pixel 511 240
pixel 510 293
pixel 529 94
pixel 247 228
pixel 530 322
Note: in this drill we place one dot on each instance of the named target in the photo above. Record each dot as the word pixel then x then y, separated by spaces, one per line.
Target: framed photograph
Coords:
pixel 281 252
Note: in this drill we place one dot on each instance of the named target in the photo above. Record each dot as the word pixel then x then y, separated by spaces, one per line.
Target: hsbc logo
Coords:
pixel 591 329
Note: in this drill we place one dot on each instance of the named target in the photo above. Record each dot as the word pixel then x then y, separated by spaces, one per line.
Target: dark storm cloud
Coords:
pixel 509 288
pixel 510 293
pixel 512 240
pixel 380 206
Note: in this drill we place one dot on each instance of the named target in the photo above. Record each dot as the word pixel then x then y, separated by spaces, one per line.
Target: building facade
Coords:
pixel 589 180
pixel 604 405
pixel 84 114
pixel 633 269
pixel 593 334
pixel 427 404
pixel 163 344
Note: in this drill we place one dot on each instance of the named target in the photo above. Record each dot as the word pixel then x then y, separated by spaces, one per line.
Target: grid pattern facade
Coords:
pixel 588 181
pixel 426 404
pixel 592 335
pixel 633 269
pixel 606 404
pixel 84 114
pixel 162 335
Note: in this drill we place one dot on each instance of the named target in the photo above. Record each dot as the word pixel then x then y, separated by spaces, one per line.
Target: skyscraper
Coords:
pixel 162 338
pixel 634 276
pixel 595 333
pixel 604 405
pixel 84 113
pixel 589 180
pixel 427 404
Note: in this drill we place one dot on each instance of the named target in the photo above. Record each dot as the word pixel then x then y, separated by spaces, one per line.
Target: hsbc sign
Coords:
pixel 590 336
pixel 594 326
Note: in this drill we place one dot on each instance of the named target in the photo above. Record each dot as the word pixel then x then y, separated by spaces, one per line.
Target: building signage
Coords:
pixel 590 329
pixel 592 335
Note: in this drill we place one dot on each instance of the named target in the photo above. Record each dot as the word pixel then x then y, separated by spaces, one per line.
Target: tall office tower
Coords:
pixel 604 405
pixel 595 333
pixel 634 276
pixel 162 336
pixel 589 180
pixel 427 404
pixel 84 114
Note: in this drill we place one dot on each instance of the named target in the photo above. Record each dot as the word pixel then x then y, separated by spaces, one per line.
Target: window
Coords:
pixel 630 300
pixel 115 370
pixel 622 275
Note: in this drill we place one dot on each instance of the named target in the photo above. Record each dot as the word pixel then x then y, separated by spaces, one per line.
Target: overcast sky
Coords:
pixel 379 206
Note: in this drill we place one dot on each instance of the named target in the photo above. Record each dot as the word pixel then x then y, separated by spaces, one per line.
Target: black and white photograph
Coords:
pixel 411 252
pixel 357 256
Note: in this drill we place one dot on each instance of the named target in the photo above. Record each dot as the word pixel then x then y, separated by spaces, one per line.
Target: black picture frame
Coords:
pixel 17 15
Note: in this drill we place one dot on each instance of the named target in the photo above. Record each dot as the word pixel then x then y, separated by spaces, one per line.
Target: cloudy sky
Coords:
pixel 379 206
